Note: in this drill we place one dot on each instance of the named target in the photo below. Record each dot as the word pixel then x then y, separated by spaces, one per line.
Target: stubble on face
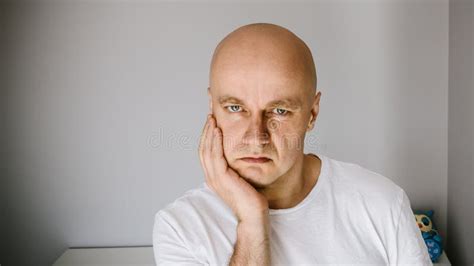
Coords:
pixel 259 64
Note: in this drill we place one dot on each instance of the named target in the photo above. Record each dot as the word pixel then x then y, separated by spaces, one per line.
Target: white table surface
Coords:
pixel 107 256
pixel 136 256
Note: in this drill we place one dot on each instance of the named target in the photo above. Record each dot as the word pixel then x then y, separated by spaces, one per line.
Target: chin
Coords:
pixel 257 184
pixel 257 177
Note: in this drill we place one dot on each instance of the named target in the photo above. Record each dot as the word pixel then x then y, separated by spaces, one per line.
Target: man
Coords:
pixel 265 201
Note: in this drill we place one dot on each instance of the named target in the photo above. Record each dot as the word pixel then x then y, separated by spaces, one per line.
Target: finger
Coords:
pixel 202 149
pixel 204 130
pixel 203 137
pixel 220 163
pixel 207 149
pixel 208 141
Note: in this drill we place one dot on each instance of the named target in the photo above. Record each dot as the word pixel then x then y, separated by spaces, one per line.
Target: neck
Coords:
pixel 292 187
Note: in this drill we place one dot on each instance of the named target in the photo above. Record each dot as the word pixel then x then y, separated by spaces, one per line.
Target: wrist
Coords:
pixel 257 227
pixel 254 217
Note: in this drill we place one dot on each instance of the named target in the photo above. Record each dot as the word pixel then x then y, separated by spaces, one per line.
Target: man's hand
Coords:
pixel 251 208
pixel 246 202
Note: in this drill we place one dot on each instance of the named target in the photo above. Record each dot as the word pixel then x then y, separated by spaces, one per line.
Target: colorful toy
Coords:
pixel 433 241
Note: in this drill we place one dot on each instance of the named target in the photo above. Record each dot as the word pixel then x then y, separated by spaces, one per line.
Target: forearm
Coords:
pixel 253 243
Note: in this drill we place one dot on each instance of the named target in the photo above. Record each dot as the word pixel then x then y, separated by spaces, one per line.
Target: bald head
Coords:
pixel 262 93
pixel 265 46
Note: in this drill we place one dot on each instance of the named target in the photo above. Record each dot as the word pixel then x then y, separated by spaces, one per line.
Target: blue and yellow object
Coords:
pixel 433 241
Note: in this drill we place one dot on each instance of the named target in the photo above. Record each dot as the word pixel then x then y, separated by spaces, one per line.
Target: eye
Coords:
pixel 280 111
pixel 234 108
pixel 425 221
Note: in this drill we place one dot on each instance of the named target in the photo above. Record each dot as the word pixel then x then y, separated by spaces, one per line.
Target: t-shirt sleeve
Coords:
pixel 168 246
pixel 411 248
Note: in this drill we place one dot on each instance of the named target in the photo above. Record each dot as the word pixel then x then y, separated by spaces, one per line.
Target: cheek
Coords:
pixel 231 137
pixel 288 138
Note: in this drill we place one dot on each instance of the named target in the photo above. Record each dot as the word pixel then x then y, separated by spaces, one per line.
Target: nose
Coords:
pixel 257 131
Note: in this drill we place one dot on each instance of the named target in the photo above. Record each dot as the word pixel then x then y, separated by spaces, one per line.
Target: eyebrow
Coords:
pixel 288 102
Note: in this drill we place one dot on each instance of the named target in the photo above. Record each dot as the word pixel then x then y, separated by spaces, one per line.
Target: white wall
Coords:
pixel 106 103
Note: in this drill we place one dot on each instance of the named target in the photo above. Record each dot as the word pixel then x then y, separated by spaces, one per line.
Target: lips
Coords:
pixel 256 159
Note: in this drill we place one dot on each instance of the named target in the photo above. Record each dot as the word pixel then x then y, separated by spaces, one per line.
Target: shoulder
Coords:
pixel 190 201
pixel 194 207
pixel 178 228
pixel 369 186
pixel 190 221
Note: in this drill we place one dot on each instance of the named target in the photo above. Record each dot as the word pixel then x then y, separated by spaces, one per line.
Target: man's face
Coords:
pixel 263 110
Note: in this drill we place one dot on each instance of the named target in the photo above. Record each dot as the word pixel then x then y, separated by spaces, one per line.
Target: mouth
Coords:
pixel 256 159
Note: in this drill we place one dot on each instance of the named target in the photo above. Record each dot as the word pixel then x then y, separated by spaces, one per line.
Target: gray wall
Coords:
pixel 3 162
pixel 106 103
pixel 461 133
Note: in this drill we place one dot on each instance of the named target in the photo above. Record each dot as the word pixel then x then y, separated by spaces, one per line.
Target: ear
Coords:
pixel 210 99
pixel 314 111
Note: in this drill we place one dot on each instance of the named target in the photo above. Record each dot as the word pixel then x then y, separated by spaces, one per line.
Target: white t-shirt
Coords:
pixel 351 216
